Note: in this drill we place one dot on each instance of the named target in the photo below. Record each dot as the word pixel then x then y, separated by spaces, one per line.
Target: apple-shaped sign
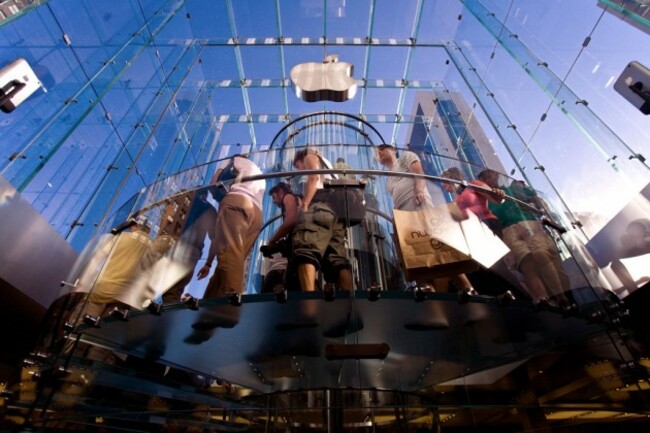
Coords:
pixel 328 81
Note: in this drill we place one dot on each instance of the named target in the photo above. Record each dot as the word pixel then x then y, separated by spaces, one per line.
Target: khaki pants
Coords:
pixel 238 224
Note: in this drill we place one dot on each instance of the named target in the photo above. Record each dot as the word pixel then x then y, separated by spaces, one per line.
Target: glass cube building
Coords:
pixel 137 105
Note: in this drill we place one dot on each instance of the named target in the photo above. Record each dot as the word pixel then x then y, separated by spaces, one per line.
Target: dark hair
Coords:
pixel 282 186
pixel 302 154
pixel 484 173
pixel 385 145
pixel 453 173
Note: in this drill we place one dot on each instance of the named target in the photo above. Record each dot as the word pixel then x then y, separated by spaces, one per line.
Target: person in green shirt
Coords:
pixel 534 251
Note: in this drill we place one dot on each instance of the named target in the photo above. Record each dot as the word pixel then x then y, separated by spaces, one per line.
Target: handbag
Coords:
pixel 222 184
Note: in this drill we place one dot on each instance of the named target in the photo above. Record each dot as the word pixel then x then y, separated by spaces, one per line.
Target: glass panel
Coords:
pixel 440 21
pixel 208 19
pixel 380 68
pixel 347 19
pixel 266 101
pixel 228 101
pixel 391 22
pixel 218 63
pixel 303 20
pixel 428 64
pixel 525 20
pixel 96 40
pixel 261 62
pixel 247 22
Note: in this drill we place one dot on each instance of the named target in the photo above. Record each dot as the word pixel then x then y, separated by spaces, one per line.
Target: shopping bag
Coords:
pixel 435 243
pixel 484 246
pixel 423 252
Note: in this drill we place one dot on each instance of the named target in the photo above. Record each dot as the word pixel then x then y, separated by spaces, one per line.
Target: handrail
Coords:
pixel 343 172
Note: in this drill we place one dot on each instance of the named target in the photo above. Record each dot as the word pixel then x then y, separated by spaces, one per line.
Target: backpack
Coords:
pixel 222 185
pixel 345 197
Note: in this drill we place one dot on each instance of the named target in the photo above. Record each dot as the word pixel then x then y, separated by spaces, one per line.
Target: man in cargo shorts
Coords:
pixel 319 236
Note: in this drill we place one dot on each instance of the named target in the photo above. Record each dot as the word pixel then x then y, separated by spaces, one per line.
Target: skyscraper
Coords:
pixel 446 130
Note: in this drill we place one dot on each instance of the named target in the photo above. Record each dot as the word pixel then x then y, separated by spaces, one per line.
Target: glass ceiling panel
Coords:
pixel 429 64
pixel 302 18
pixel 227 101
pixel 392 21
pixel 209 19
pixel 219 63
pixel 347 18
pixel 294 55
pixel 264 133
pixel 235 135
pixel 116 23
pixel 382 101
pixel 98 30
pixel 55 65
pixel 171 28
pixel 439 20
pixel 96 40
pixel 261 62
pixel 266 100
pixel 255 19
pixel 387 62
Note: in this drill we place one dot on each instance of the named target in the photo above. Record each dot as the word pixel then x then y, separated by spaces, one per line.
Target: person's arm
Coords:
pixel 496 195
pixel 419 184
pixel 290 218
pixel 212 253
pixel 311 162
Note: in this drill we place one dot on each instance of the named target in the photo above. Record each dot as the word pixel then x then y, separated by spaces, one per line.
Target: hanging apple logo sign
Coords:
pixel 328 81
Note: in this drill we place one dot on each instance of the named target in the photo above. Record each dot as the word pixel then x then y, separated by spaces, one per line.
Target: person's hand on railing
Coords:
pixel 498 195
